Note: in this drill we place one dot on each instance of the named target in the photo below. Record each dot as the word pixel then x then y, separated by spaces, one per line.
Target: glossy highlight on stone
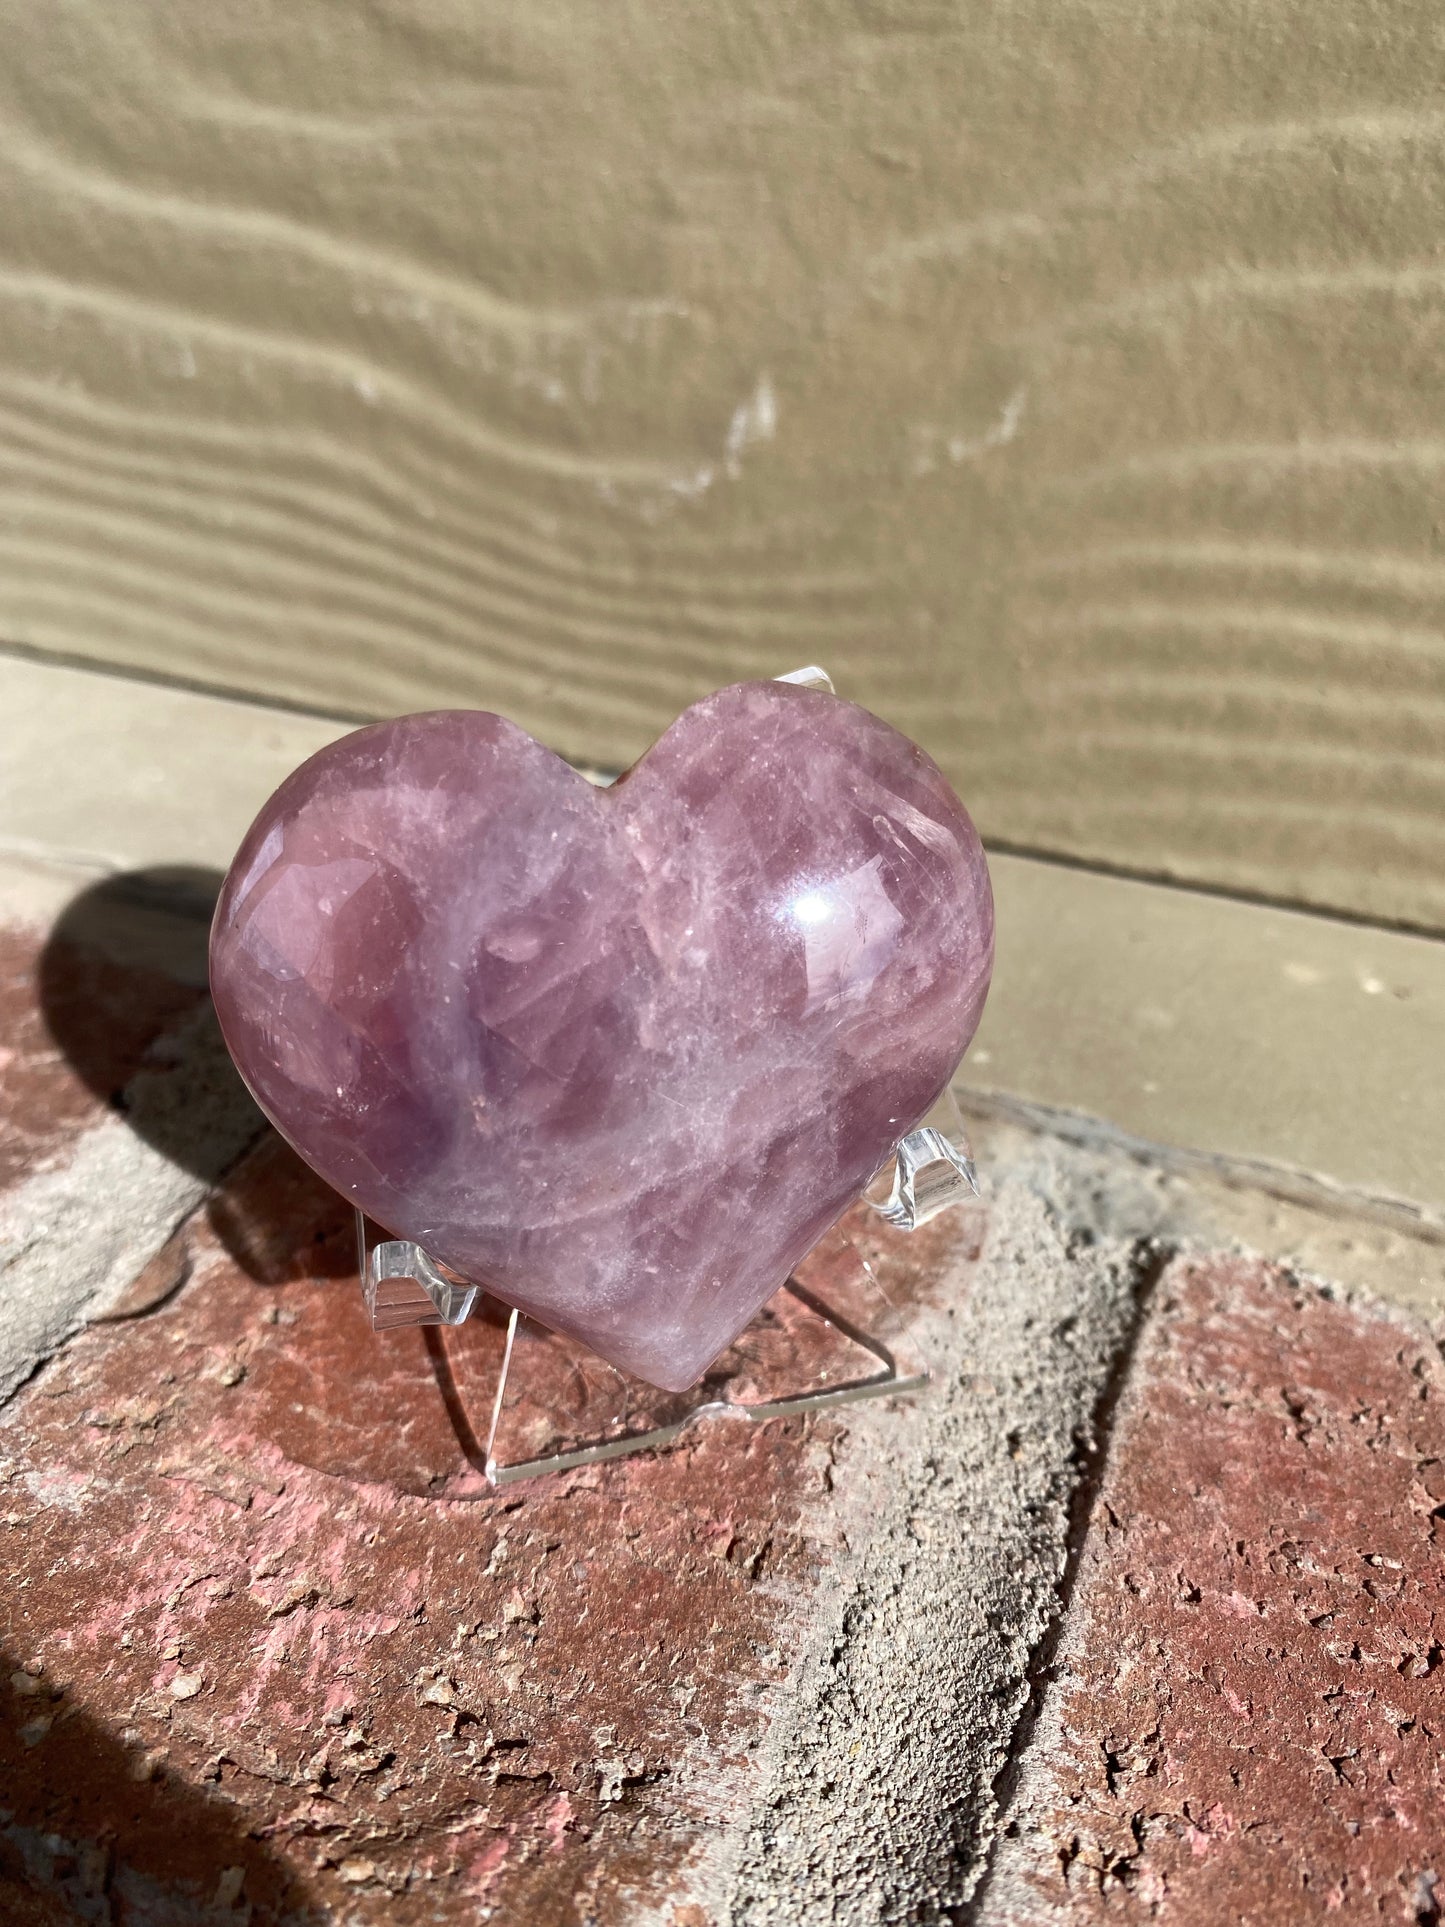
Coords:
pixel 620 1055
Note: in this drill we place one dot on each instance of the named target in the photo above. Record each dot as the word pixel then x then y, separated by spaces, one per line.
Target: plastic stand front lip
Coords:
pixel 931 1171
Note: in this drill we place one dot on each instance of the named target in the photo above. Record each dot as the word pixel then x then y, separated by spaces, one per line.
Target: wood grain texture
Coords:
pixel 1065 376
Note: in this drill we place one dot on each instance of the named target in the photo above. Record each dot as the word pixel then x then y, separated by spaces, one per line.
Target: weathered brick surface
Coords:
pixel 251 1637
pixel 276 1647
pixel 274 1652
pixel 1247 1719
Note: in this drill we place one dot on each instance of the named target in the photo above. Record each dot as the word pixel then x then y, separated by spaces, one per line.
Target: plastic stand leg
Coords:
pixel 829 1337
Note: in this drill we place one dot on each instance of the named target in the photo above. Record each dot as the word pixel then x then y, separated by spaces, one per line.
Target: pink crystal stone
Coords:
pixel 620 1055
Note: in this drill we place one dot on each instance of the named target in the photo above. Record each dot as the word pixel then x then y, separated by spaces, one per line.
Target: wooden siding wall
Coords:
pixel 1063 374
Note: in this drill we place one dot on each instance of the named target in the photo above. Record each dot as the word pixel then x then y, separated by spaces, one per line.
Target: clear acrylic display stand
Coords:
pixel 828 1337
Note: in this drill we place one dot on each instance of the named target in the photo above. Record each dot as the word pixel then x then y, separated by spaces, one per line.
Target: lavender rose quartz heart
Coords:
pixel 620 1055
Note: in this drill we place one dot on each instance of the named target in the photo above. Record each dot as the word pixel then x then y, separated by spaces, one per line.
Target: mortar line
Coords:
pixel 88 1319
pixel 1290 1184
pixel 1152 1260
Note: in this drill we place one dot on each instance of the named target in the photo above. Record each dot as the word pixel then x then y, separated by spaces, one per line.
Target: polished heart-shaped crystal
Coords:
pixel 621 1055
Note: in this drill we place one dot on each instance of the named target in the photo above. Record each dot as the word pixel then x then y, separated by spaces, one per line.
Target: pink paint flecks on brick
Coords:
pixel 1248 1722
pixel 268 1637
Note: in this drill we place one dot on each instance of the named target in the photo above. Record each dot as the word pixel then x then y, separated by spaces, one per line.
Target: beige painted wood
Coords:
pixel 1066 375
pixel 103 774
pixel 1284 1051
pixel 1277 1048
